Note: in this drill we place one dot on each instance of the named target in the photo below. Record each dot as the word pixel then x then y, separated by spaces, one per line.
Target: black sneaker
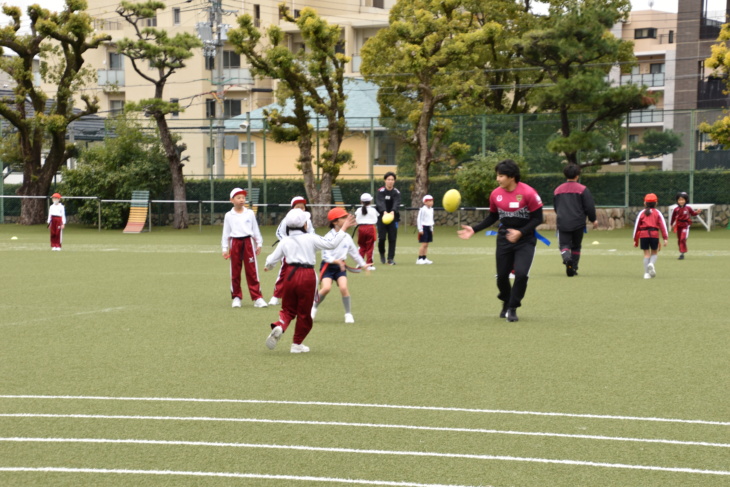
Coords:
pixel 569 269
pixel 382 259
pixel 681 257
pixel 391 262
pixel 503 313
pixel 512 314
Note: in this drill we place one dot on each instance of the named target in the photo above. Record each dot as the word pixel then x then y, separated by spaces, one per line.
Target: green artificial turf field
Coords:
pixel 122 363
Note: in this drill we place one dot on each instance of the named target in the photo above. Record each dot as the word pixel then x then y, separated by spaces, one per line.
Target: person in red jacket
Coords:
pixel 649 224
pixel 681 221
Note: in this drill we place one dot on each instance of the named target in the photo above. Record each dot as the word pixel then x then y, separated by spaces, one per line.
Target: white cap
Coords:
pixel 236 191
pixel 427 197
pixel 296 218
pixel 365 197
pixel 298 199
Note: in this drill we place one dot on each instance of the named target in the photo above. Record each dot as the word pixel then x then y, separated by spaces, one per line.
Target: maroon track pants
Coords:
pixel 366 242
pixel 243 256
pixel 682 234
pixel 300 284
pixel 56 231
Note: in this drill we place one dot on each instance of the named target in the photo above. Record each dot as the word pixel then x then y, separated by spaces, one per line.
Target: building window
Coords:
pixel 671 37
pixel 151 22
pixel 297 13
pixel 116 61
pixel 257 15
pixel 210 108
pixel 175 113
pixel 378 4
pixel 231 60
pixel 175 16
pixel 210 63
pixel 231 108
pixel 340 47
pixel 248 154
pixel 656 68
pixel 649 33
pixel 633 139
pixel 116 107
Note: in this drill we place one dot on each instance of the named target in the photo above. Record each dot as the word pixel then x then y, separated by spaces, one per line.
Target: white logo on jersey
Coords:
pixel 499 197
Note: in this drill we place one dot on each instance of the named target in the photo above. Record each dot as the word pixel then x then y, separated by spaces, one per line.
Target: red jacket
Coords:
pixel 650 226
pixel 682 216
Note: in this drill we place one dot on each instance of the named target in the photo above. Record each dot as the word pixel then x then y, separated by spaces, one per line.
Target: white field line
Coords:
pixel 223 474
pixel 370 425
pixel 401 453
pixel 366 405
pixel 68 315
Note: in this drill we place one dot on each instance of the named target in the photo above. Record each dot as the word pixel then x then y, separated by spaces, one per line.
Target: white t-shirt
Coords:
pixel 370 219
pixel 57 209
pixel 301 248
pixel 425 218
pixel 240 225
pixel 347 246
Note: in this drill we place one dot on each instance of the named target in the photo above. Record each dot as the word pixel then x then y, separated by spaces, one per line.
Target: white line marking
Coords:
pixel 56 317
pixel 369 425
pixel 468 456
pixel 365 405
pixel 223 474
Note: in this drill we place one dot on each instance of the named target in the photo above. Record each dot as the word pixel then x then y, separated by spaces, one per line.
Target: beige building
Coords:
pixel 654 36
pixel 196 87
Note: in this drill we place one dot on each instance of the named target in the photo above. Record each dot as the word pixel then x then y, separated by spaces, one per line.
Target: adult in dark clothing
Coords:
pixel 573 202
pixel 387 199
pixel 518 208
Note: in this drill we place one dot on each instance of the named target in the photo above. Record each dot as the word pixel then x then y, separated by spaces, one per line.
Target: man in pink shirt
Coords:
pixel 518 208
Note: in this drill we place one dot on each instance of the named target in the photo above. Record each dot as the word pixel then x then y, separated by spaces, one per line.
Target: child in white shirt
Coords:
pixel 367 218
pixel 425 229
pixel 56 221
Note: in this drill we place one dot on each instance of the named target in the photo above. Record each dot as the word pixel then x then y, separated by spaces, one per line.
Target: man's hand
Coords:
pixel 466 232
pixel 513 235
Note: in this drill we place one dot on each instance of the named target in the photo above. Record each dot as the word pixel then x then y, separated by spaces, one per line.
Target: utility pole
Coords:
pixel 213 34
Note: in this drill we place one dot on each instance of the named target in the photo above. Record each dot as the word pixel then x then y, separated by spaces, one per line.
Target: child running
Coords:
pixel 300 284
pixel 681 221
pixel 333 264
pixel 241 243
pixel 56 221
pixel 366 218
pixel 649 223
pixel 296 202
pixel 425 229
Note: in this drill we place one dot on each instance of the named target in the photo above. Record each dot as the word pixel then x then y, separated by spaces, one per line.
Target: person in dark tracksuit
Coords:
pixel 573 202
pixel 387 199
pixel 518 208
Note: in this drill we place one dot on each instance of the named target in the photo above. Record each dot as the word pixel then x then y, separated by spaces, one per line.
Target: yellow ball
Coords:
pixel 388 217
pixel 452 200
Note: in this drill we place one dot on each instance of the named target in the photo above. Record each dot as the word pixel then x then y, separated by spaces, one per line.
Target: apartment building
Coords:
pixel 198 87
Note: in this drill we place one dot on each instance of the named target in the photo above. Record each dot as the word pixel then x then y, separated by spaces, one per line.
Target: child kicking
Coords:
pixel 333 264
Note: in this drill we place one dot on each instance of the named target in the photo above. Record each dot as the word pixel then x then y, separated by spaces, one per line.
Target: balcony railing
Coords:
pixel 236 76
pixel 650 80
pixel 108 77
pixel 646 116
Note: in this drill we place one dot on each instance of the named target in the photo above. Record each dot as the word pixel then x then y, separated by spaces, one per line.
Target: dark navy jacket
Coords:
pixel 572 203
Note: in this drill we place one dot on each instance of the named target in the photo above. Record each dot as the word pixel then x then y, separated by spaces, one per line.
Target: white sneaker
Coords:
pixel 273 337
pixel 260 303
pixel 371 268
pixel 420 262
pixel 274 301
pixel 652 271
pixel 301 348
pixel 647 276
pixel 511 275
pixel 236 303
pixel 314 312
pixel 427 262
pixel 349 318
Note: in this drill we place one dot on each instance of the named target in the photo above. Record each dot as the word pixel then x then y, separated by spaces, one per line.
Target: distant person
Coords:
pixel 241 243
pixel 681 220
pixel 573 202
pixel 424 223
pixel 332 269
pixel 299 249
pixel 649 225
pixel 56 221
pixel 367 218
pixel 296 202
pixel 518 208
pixel 387 200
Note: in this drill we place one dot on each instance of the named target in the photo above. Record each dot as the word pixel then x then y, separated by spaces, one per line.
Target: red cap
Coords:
pixel 298 199
pixel 56 195
pixel 336 213
pixel 237 191
pixel 650 198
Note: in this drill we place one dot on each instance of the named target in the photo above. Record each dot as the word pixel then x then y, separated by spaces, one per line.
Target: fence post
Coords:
pixel 149 214
pixel 200 215
pixel 692 154
pixel 98 202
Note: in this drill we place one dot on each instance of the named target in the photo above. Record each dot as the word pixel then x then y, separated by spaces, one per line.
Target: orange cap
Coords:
pixel 650 198
pixel 56 195
pixel 336 213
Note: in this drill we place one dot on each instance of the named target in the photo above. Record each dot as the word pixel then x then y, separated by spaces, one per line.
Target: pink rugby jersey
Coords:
pixel 514 206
